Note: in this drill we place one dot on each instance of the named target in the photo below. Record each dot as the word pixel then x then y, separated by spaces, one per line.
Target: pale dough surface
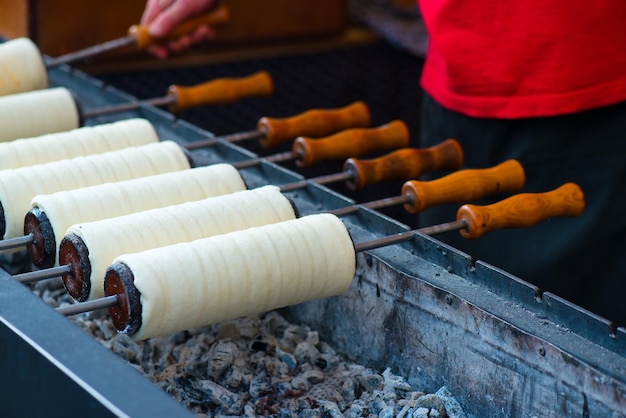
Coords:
pixel 21 67
pixel 19 186
pixel 77 142
pixel 109 200
pixel 240 273
pixel 38 112
pixel 109 238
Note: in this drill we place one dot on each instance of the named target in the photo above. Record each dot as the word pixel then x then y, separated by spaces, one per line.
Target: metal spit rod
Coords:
pixel 316 123
pixel 214 92
pixel 139 37
pixel 473 221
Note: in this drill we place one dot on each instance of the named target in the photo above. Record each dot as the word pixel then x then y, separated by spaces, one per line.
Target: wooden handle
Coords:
pixel 314 123
pixel 522 210
pixel 404 164
pixel 351 143
pixel 221 91
pixel 213 17
pixel 464 185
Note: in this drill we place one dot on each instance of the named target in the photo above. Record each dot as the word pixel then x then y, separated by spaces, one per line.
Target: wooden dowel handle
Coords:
pixel 216 16
pixel 464 185
pixel 354 142
pixel 221 91
pixel 404 164
pixel 522 210
pixel 314 123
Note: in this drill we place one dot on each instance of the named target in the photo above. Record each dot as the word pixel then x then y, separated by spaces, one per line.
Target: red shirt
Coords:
pixel 525 58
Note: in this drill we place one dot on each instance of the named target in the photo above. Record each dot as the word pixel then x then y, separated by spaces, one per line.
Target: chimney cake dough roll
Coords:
pixel 21 67
pixel 56 212
pixel 19 186
pixel 92 246
pixel 173 288
pixel 39 112
pixel 77 142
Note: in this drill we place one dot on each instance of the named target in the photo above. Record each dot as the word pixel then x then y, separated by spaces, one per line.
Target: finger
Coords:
pixel 158 51
pixel 176 13
pixel 151 11
pixel 202 33
pixel 179 44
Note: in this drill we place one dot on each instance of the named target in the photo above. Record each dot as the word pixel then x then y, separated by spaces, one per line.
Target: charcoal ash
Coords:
pixel 261 365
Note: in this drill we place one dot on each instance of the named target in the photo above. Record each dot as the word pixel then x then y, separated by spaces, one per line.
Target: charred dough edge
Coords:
pixel 42 251
pixel 126 315
pixel 74 252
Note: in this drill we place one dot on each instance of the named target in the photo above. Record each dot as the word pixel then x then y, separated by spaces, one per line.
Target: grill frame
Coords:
pixel 419 284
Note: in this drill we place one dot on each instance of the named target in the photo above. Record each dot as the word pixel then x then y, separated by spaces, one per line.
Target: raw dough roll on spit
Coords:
pixel 52 214
pixel 181 286
pixel 77 142
pixel 91 247
pixel 21 67
pixel 37 113
pixel 18 186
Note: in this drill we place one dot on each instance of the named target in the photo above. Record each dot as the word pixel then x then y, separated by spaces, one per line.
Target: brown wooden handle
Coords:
pixel 354 142
pixel 221 91
pixel 314 123
pixel 404 164
pixel 213 17
pixel 464 185
pixel 522 210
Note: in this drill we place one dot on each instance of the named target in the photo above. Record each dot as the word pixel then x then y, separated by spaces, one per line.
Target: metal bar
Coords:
pixel 374 204
pixel 406 236
pixel 384 241
pixel 91 305
pixel 283 156
pixel 330 178
pixel 37 275
pixel 388 201
pixel 16 242
pixel 90 51
pixel 236 137
pixel 444 227
pixel 275 158
pixel 157 101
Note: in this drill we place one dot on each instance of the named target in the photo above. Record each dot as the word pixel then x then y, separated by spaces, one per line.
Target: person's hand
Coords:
pixel 161 16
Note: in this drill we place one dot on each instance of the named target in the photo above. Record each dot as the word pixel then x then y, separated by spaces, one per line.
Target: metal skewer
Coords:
pixel 110 301
pixel 519 211
pixel 38 275
pixel 91 305
pixel 460 186
pixel 403 164
pixel 353 142
pixel 314 123
pixel 214 92
pixel 139 37
pixel 90 51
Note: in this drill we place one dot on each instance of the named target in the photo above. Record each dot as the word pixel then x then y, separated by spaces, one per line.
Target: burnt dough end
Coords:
pixel 74 253
pixel 126 314
pixel 42 249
